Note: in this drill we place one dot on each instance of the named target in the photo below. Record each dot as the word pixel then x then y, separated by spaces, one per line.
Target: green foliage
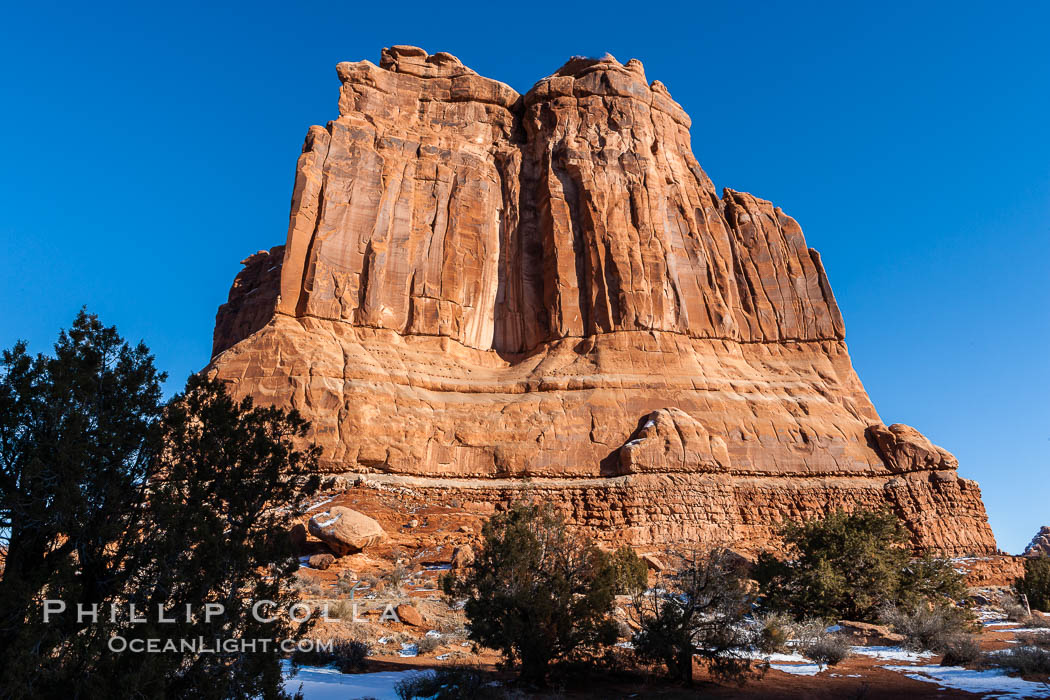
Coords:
pixel 930 578
pixel 849 565
pixel 536 592
pixel 774 633
pixel 700 614
pixel 216 534
pixel 110 498
pixel 1036 583
pixel 632 574
pixel 78 434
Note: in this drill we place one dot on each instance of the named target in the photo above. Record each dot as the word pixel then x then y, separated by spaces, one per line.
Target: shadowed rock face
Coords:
pixel 479 286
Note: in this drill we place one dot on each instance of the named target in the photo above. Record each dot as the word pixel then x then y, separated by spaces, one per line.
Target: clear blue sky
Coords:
pixel 149 147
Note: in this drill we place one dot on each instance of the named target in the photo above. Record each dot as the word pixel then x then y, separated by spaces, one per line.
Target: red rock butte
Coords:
pixel 485 295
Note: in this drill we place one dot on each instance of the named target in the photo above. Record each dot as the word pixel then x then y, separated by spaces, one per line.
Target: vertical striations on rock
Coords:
pixel 479 286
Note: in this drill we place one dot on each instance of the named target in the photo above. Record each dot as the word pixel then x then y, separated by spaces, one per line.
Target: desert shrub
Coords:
pixel 1015 612
pixel 960 649
pixel 774 632
pixel 811 638
pixel 1038 639
pixel 1022 659
pixel 351 655
pixel 347 655
pixel 537 593
pixel 346 583
pixel 701 613
pixel 807 629
pixel 428 644
pixel 618 660
pixel 1038 621
pixel 341 610
pixel 632 574
pixel 1036 583
pixel 623 630
pixel 1019 614
pixel 448 683
pixel 396 577
pixel 305 586
pixel 927 627
pixel 827 649
pixel 849 565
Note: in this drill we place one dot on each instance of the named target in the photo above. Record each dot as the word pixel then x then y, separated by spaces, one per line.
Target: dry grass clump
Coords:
pixel 928 627
pixel 1022 659
pixel 960 650
pixel 827 649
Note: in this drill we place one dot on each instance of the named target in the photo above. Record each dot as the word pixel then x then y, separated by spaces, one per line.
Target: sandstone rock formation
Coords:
pixel 462 557
pixel 321 562
pixel 867 634
pixel 479 286
pixel 344 530
pixel 409 615
pixel 1040 545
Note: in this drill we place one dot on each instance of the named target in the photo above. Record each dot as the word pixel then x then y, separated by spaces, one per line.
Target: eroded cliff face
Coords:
pixel 479 286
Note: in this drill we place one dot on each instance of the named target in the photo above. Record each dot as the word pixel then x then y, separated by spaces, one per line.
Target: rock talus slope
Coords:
pixel 479 286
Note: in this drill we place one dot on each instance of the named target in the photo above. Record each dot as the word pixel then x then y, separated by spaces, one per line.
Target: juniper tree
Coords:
pixel 109 497
pixel 538 592
pixel 698 612
pixel 1035 584
pixel 851 566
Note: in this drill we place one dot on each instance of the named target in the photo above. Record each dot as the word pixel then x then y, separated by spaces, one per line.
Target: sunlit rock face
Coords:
pixel 1040 544
pixel 479 286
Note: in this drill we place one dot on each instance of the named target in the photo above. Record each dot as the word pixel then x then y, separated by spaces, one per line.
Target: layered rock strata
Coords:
pixel 484 293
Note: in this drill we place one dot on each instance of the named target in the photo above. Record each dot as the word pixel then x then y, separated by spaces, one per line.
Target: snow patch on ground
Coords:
pixel 795 664
pixel 320 503
pixel 892 653
pixel 327 523
pixel 809 669
pixel 330 684
pixel 993 683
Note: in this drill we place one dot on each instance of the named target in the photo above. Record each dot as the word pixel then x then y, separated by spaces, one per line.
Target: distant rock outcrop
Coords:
pixel 1040 545
pixel 480 287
